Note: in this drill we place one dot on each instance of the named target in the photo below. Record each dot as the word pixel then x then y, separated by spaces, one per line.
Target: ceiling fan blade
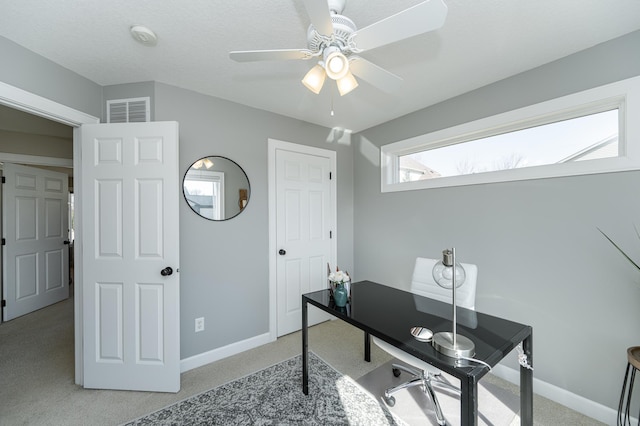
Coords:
pixel 421 18
pixel 270 55
pixel 373 74
pixel 320 16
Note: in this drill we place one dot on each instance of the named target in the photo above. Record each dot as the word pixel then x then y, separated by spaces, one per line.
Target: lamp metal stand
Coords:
pixel 451 343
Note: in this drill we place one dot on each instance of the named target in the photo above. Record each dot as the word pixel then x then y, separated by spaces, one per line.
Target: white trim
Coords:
pixel 223 352
pixel 6 157
pixel 273 146
pixel 37 105
pixel 78 312
pixel 624 93
pixel 575 402
pixel 14 97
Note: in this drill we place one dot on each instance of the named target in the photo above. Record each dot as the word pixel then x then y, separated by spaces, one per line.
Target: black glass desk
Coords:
pixel 389 314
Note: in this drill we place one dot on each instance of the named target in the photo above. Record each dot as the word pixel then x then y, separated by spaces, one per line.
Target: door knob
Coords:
pixel 282 252
pixel 166 271
pixel 66 242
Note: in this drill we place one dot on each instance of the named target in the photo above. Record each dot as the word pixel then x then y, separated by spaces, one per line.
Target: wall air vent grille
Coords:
pixel 134 110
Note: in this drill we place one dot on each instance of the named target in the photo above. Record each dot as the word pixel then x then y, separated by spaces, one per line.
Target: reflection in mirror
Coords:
pixel 216 188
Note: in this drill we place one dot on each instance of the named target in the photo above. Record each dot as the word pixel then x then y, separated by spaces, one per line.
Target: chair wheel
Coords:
pixel 391 401
pixel 396 372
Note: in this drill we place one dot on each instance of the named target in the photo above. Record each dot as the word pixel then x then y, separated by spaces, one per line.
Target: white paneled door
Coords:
pixel 131 291
pixel 304 228
pixel 35 223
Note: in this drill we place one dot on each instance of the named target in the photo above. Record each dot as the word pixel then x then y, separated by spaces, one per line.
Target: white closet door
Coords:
pixel 304 226
pixel 36 252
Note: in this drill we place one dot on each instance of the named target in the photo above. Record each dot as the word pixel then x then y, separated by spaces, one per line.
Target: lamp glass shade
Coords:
pixel 347 83
pixel 443 274
pixel 314 79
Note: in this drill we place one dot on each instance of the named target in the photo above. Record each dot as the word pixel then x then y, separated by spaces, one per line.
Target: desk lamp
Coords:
pixel 450 274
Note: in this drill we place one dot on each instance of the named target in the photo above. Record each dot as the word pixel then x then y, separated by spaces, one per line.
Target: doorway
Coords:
pixel 21 136
pixel 43 185
pixel 36 105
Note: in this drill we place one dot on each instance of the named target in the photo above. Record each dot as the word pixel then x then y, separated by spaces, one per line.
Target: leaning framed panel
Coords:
pixel 389 314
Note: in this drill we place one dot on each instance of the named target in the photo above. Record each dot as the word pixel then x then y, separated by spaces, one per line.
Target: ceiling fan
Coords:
pixel 335 42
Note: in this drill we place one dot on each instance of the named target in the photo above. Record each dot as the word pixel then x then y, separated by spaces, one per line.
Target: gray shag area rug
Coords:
pixel 273 396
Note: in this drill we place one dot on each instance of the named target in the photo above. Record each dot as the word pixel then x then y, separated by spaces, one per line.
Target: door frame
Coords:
pixel 273 146
pixel 31 103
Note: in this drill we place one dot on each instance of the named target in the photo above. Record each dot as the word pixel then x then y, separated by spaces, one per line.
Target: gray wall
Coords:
pixel 31 72
pixel 33 144
pixel 541 259
pixel 224 266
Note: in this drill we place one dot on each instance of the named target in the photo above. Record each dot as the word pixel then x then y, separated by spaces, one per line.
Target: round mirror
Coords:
pixel 216 188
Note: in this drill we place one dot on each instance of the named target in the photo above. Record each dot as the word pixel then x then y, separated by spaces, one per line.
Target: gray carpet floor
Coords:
pixel 37 373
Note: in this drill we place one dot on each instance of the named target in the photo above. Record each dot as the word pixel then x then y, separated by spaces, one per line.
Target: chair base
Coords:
pixel 420 378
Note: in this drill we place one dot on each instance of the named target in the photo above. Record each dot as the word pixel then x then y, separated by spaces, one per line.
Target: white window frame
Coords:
pixel 213 177
pixel 624 94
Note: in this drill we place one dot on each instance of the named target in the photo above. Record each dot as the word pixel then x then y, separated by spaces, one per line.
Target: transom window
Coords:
pixel 578 134
pixel 584 138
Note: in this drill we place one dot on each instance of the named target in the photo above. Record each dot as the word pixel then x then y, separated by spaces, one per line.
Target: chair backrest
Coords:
pixel 423 284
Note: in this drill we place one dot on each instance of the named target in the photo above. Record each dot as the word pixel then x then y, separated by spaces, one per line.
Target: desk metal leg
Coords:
pixel 526 384
pixel 367 347
pixel 469 401
pixel 305 347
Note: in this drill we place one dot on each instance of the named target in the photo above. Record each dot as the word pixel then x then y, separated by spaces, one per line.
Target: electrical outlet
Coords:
pixel 199 324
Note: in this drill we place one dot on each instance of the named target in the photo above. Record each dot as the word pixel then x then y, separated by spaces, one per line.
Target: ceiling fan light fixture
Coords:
pixel 347 83
pixel 314 79
pixel 336 64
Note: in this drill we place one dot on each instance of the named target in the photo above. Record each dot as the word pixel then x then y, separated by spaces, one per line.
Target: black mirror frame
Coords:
pixel 248 195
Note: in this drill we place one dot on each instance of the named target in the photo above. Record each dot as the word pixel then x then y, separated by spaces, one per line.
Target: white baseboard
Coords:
pixel 577 403
pixel 223 352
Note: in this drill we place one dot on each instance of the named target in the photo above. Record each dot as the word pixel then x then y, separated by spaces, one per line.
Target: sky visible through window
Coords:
pixel 544 144
pixel 199 187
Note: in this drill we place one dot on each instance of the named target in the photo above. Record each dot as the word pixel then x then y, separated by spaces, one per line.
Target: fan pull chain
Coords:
pixel 332 113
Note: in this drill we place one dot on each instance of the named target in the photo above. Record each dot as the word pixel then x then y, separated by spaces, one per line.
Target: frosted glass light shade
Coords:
pixel 314 79
pixel 347 83
pixel 336 64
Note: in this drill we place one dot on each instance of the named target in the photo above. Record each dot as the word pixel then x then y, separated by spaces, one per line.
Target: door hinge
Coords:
pixel 330 234
pixel 4 242
pixel 4 179
pixel 329 177
pixel 4 303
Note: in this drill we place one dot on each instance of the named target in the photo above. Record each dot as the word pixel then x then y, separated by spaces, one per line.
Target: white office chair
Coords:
pixel 425 374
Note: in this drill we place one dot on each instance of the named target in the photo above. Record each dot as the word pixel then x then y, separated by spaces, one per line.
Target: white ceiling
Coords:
pixel 482 41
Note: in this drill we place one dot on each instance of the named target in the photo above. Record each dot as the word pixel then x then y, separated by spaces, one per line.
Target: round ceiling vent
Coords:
pixel 144 35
